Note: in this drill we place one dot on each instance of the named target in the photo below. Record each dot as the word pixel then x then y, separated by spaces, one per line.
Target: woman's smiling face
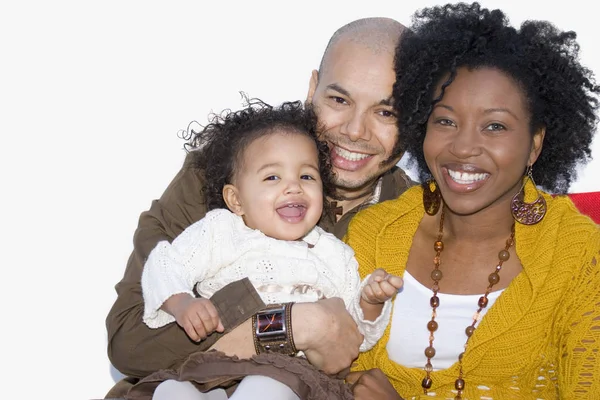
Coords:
pixel 478 142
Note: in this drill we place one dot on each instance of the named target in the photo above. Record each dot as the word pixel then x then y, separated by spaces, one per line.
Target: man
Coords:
pixel 351 93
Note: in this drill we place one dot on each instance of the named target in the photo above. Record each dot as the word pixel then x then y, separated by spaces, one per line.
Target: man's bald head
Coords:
pixel 377 34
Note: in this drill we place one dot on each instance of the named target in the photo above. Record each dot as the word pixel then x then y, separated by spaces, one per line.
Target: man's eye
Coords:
pixel 387 114
pixel 338 100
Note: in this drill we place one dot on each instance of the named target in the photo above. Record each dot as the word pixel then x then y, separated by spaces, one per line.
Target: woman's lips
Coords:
pixel 463 181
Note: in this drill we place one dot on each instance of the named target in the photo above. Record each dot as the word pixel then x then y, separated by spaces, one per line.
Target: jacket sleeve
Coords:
pixel 579 365
pixel 371 330
pixel 362 237
pixel 360 261
pixel 133 348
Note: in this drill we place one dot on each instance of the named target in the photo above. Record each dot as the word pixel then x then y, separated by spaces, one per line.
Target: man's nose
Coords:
pixel 356 127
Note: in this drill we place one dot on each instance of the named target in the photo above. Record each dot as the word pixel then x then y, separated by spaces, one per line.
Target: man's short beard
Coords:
pixel 354 189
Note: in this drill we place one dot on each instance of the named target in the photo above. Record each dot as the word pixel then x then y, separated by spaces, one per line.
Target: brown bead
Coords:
pixel 503 255
pixel 432 326
pixel 438 245
pixel 426 383
pixel 434 301
pixel 436 275
pixel 430 352
pixel 469 331
pixel 460 356
pixel 483 302
pixel 494 278
pixel 459 384
pixel 436 261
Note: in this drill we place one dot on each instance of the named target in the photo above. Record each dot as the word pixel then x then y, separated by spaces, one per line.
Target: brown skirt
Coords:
pixel 214 369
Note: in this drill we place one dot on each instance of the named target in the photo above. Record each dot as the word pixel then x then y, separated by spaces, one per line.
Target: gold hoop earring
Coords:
pixel 432 197
pixel 528 213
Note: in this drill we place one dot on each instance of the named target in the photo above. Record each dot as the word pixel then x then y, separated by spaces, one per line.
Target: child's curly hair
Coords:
pixel 218 148
pixel 561 94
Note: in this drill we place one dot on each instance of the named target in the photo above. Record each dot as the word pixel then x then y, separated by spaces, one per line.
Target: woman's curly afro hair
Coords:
pixel 561 94
pixel 218 148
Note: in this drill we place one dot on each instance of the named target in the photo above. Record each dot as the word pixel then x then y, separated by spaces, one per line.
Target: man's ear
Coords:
pixel 232 199
pixel 312 86
pixel 536 145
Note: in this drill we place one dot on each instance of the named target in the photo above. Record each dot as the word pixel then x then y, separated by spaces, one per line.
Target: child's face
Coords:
pixel 278 189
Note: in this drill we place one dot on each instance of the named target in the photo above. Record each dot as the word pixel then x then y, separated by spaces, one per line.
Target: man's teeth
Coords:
pixel 349 155
pixel 465 178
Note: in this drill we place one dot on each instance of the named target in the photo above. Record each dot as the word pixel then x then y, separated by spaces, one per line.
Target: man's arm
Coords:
pixel 133 348
pixel 323 330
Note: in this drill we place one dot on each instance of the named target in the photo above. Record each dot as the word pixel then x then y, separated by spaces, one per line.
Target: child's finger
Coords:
pixel 395 281
pixel 214 316
pixel 367 293
pixel 198 327
pixel 378 275
pixel 189 329
pixel 388 290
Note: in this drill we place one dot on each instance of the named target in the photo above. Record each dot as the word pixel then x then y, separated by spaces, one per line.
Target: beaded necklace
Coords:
pixel 432 326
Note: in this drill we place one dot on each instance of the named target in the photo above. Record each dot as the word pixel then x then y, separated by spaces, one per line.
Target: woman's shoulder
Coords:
pixel 568 220
pixel 387 211
pixel 371 221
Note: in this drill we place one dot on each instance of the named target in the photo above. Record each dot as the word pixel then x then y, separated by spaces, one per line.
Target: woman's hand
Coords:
pixel 372 385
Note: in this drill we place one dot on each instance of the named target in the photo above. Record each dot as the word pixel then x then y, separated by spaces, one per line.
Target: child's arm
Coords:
pixel 174 268
pixel 380 287
pixel 371 305
pixel 197 316
pixel 371 317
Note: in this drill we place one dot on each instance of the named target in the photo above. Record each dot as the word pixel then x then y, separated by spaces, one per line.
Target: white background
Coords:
pixel 92 95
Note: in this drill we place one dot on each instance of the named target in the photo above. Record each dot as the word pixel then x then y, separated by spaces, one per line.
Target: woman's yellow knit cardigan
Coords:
pixel 541 338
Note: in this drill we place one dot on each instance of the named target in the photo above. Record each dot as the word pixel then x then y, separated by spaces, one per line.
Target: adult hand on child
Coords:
pixel 197 316
pixel 372 385
pixel 381 287
pixel 326 333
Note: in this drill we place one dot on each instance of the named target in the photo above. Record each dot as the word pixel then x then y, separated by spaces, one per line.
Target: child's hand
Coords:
pixel 197 316
pixel 381 287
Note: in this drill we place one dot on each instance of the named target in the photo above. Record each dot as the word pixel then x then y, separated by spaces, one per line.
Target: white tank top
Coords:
pixel 409 335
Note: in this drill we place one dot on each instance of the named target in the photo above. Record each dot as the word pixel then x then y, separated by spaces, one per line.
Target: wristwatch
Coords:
pixel 272 330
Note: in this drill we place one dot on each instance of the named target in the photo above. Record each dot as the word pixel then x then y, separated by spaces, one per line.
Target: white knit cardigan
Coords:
pixel 220 249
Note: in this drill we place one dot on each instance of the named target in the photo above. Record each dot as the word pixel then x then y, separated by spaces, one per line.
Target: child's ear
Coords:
pixel 232 199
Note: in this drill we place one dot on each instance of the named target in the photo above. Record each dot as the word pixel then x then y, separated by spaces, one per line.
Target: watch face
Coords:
pixel 270 322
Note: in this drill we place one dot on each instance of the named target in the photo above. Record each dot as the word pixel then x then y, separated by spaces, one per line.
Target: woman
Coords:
pixel 501 291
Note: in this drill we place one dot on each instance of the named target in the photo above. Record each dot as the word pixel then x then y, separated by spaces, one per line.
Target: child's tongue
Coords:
pixel 290 211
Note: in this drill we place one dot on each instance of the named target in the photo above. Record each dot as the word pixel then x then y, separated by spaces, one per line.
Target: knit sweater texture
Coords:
pixel 541 338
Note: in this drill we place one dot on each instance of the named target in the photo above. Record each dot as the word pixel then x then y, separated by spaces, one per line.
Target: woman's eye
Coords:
pixel 445 122
pixel 495 127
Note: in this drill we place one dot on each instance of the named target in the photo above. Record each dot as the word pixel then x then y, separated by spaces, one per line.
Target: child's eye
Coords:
pixel 271 178
pixel 307 177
